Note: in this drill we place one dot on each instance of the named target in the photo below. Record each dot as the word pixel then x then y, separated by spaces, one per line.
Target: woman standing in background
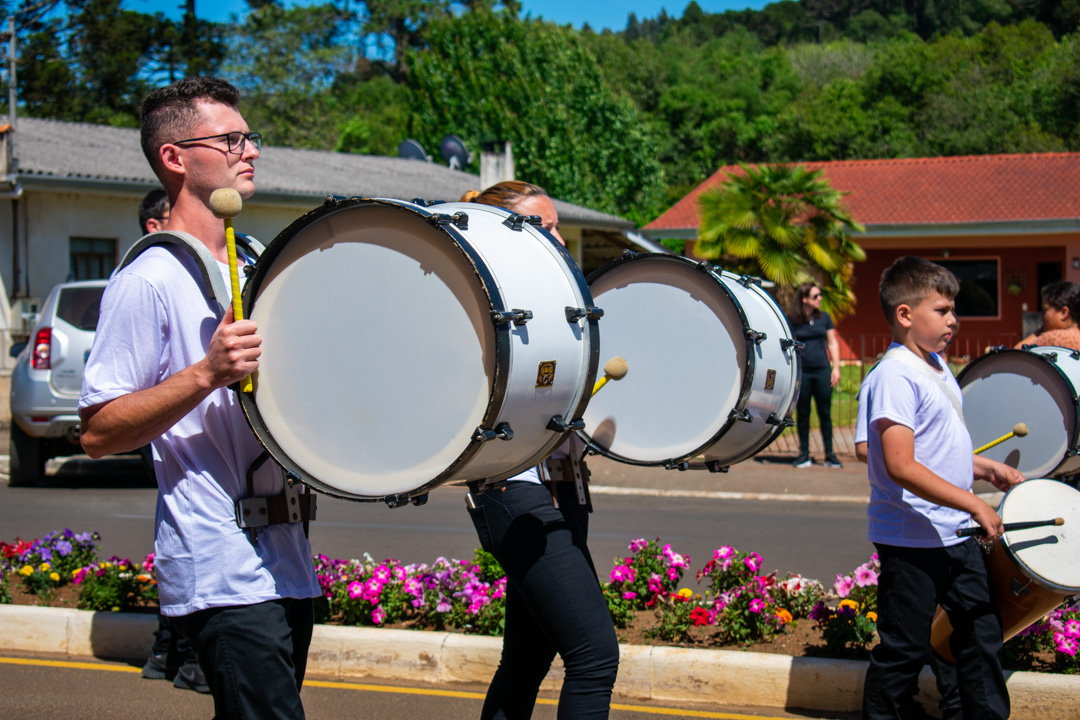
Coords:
pixel 820 370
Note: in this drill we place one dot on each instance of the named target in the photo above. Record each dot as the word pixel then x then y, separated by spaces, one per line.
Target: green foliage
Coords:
pixel 5 589
pixel 786 224
pixel 489 76
pixel 118 585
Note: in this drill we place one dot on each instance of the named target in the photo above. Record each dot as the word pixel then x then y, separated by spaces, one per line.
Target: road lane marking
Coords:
pixel 364 687
pixel 723 495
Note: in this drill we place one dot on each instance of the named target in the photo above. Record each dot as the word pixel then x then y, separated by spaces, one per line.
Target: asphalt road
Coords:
pixel 114 498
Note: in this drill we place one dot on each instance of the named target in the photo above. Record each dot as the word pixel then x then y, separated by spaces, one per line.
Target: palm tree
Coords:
pixel 786 224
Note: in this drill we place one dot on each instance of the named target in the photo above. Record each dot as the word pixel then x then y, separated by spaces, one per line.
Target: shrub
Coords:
pixel 636 581
pixel 117 585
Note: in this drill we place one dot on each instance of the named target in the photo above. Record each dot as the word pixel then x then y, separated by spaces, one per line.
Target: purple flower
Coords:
pixel 63 547
pixel 444 605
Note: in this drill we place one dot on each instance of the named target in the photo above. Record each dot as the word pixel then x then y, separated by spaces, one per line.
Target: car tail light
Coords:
pixel 41 359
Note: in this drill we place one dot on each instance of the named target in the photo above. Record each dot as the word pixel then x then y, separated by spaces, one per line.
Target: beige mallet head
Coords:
pixel 1020 429
pixel 225 203
pixel 616 368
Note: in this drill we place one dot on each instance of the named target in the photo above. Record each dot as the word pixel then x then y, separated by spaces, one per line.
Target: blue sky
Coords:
pixel 601 14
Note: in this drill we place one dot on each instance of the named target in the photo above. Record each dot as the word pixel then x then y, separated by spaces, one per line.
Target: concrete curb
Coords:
pixel 664 674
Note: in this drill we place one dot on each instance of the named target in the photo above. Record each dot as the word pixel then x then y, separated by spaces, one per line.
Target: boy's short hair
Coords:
pixel 910 279
pixel 169 113
pixel 153 205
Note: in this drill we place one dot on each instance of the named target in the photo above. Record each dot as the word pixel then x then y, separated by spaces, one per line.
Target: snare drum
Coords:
pixel 405 347
pixel 713 367
pixel 1031 571
pixel 1037 387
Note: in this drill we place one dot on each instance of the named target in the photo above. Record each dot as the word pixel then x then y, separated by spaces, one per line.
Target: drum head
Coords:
pixel 1046 554
pixel 1011 387
pixel 375 329
pixel 684 341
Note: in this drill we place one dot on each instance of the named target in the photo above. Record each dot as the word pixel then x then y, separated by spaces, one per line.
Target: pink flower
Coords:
pixel 673 574
pixel 629 595
pixel 378 615
pixel 757 605
pixel 865 576
pixel 355 589
pixel 1066 644
pixel 383 573
pixel 843 585
pixel 1072 628
pixel 622 573
pixel 638 545
pixel 753 562
pixel 723 553
pixel 656 583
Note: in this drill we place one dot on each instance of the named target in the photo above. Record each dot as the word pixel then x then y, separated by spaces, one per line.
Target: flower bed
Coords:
pixel 733 605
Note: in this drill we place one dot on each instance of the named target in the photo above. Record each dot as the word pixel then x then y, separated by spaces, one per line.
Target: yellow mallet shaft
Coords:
pixel 226 204
pixel 614 369
pixel 1019 430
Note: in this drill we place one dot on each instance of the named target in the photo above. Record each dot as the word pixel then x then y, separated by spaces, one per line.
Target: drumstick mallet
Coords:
pixel 226 204
pixel 1019 430
pixel 614 369
pixel 968 532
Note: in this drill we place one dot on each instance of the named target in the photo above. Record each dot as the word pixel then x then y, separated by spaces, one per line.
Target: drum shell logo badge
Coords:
pixel 545 374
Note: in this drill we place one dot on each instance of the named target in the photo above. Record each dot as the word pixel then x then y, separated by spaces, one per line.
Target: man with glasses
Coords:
pixel 159 373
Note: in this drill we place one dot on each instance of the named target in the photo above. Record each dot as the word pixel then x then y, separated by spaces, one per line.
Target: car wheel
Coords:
pixel 27 461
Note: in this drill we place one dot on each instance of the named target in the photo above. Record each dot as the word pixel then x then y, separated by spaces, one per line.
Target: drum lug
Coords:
pixel 557 424
pixel 501 431
pixel 574 314
pixel 680 466
pixel 756 336
pixel 517 315
pixel 516 222
pixel 1075 354
pixel 788 343
pixel 460 219
pixel 714 466
pixel 748 280
pixel 1000 348
pixel 418 500
pixel 425 203
pixel 779 422
pixel 743 415
pixel 1019 589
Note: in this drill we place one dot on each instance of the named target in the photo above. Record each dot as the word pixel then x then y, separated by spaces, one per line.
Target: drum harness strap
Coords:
pixel 551 471
pixel 251 512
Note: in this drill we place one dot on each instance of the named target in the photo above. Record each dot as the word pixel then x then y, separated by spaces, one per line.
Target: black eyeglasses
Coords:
pixel 236 140
pixel 815 297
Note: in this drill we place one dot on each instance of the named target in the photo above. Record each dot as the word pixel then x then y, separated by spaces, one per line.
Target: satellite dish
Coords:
pixel 454 153
pixel 412 150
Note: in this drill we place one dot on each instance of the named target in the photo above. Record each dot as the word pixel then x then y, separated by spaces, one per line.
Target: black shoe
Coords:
pixel 832 462
pixel 803 461
pixel 155 668
pixel 190 677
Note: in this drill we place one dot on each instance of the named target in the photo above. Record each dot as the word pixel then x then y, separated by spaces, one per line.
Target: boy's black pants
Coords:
pixel 913 582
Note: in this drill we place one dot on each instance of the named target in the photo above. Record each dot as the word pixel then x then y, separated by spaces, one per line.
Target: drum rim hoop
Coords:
pixel 501 335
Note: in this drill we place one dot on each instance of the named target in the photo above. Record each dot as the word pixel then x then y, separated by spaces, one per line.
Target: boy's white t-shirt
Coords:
pixel 156 321
pixel 897 392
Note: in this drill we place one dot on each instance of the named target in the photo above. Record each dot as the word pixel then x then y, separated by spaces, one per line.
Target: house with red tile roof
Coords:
pixel 1005 224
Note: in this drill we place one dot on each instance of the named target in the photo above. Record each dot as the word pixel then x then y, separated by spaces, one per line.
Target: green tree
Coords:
pixel 488 75
pixel 786 224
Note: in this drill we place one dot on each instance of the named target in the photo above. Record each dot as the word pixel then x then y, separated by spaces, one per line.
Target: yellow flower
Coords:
pixel 44 567
pixel 122 567
pixel 686 593
pixel 54 576
pixel 26 571
pixel 871 616
pixel 850 603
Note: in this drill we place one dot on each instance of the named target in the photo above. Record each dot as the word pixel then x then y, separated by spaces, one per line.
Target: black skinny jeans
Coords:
pixel 816 385
pixel 554 603
pixel 913 582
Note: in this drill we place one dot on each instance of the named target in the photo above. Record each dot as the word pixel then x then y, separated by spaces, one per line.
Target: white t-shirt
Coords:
pixel 897 392
pixel 156 321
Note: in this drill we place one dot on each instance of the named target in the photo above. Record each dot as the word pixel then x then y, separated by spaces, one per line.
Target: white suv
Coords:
pixel 47 380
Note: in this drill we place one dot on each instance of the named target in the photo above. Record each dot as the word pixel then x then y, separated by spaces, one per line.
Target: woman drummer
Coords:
pixel 538 533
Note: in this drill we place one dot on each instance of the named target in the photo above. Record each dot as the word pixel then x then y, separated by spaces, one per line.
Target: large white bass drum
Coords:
pixel 1037 387
pixel 713 369
pixel 406 346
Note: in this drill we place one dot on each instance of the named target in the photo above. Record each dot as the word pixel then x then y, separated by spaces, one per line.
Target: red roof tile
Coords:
pixel 971 189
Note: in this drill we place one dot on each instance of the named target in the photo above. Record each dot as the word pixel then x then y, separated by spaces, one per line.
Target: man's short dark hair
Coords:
pixel 154 205
pixel 169 113
pixel 911 279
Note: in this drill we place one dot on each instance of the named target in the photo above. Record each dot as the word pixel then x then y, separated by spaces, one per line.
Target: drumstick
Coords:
pixel 226 204
pixel 968 532
pixel 1019 430
pixel 614 369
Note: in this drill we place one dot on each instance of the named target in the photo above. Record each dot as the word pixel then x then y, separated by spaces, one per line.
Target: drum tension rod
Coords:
pixel 518 316
pixel 748 280
pixel 517 222
pixel 557 424
pixel 396 501
pixel 779 422
pixel 574 314
pixel 756 336
pixel 501 431
pixel 680 466
pixel 460 219
pixel 788 343
pixel 743 415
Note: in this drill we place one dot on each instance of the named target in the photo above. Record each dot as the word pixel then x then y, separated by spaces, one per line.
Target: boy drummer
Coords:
pixel 921 468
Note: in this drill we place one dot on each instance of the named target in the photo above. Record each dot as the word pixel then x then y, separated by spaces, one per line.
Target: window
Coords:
pixel 978 286
pixel 92 258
